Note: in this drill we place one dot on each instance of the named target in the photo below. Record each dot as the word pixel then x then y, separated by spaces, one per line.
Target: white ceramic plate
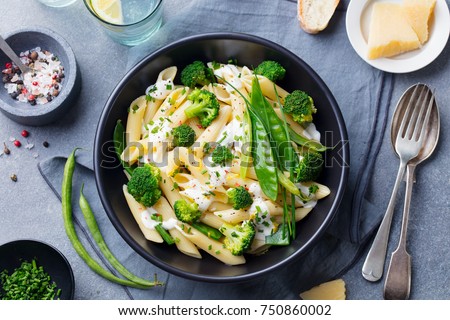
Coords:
pixel 357 24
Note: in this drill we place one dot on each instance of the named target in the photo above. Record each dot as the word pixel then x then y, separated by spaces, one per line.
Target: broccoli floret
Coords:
pixel 300 106
pixel 272 70
pixel 239 197
pixel 238 238
pixel 183 136
pixel 221 155
pixel 144 184
pixel 197 74
pixel 186 211
pixel 204 106
pixel 309 167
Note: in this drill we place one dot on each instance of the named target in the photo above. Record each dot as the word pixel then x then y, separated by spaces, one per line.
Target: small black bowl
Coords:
pixel 38 115
pixel 12 254
pixel 250 51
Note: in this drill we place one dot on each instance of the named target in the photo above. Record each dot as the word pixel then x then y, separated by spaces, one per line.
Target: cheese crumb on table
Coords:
pixel 332 290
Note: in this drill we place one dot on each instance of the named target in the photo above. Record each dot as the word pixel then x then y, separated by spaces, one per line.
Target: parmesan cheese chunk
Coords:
pixel 418 13
pixel 332 290
pixel 390 33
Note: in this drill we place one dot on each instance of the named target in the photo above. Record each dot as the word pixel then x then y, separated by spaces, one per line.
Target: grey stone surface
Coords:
pixel 30 209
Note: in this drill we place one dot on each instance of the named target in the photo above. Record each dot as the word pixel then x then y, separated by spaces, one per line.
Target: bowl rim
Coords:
pixel 223 36
pixel 71 77
pixel 53 249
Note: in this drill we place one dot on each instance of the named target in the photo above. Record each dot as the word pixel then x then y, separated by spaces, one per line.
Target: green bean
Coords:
pixel 263 158
pixel 119 144
pixel 66 200
pixel 207 230
pixel 91 222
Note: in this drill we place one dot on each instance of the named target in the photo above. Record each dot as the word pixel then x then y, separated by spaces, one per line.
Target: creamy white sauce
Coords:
pixel 231 74
pixel 160 90
pixel 305 190
pixel 160 131
pixel 263 223
pixel 311 132
pixel 150 223
pixel 146 218
pixel 218 175
pixel 232 134
pixel 199 193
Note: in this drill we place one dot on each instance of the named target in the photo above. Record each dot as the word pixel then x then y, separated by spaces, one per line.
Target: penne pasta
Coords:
pixel 196 174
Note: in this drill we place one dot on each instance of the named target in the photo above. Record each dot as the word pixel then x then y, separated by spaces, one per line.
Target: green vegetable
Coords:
pixel 263 158
pixel 221 155
pixel 197 74
pixel 310 166
pixel 211 232
pixel 204 106
pixel 91 222
pixel 238 238
pixel 27 282
pixel 66 200
pixel 274 126
pixel 300 106
pixel 280 237
pixel 272 70
pixel 119 144
pixel 185 211
pixel 246 145
pixel 183 136
pixel 144 184
pixel 239 197
pixel 305 142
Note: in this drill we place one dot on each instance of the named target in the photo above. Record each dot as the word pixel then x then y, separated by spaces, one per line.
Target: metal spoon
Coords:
pixel 4 46
pixel 398 280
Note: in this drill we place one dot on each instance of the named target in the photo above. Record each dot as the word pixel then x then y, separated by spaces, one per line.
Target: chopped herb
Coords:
pixel 217 251
pixel 168 87
pixel 210 247
pixel 313 188
pixel 135 108
pixel 155 130
pixel 175 186
pixel 215 65
pixel 183 91
pixel 204 171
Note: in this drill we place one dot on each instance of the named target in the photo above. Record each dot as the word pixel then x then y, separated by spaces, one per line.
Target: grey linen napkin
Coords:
pixel 364 95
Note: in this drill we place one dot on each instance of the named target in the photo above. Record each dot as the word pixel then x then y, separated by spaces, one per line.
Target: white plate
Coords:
pixel 357 24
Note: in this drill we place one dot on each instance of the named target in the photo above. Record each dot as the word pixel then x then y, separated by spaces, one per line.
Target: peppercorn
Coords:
pixel 6 149
pixel 13 177
pixel 45 144
pixel 33 55
pixel 17 143
pixel 25 133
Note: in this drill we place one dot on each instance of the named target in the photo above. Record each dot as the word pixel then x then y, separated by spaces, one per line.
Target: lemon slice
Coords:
pixel 108 10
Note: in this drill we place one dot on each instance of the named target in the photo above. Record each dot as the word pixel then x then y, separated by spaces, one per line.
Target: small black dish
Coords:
pixel 12 254
pixel 38 115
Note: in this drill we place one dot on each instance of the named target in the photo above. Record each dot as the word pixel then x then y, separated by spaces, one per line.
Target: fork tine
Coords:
pixel 420 121
pixel 415 116
pixel 427 118
pixel 407 112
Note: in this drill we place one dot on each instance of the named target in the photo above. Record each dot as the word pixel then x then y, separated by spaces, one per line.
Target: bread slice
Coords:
pixel 390 33
pixel 418 13
pixel 314 15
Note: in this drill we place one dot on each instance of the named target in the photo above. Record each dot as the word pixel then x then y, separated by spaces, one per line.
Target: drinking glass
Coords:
pixel 140 20
pixel 57 3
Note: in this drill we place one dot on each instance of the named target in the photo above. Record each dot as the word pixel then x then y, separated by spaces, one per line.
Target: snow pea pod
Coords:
pixel 263 158
pixel 274 125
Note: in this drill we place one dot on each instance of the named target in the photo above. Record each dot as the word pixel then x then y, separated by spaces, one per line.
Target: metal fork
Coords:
pixel 408 143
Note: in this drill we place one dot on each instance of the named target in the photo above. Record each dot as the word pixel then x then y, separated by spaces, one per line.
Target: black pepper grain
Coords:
pixel 13 177
pixel 45 144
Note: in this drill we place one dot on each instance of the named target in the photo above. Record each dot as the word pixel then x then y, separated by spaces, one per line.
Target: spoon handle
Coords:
pixel 4 46
pixel 373 267
pixel 398 279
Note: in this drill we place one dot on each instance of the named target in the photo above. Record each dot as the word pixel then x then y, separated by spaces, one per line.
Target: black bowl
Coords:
pixel 12 254
pixel 250 51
